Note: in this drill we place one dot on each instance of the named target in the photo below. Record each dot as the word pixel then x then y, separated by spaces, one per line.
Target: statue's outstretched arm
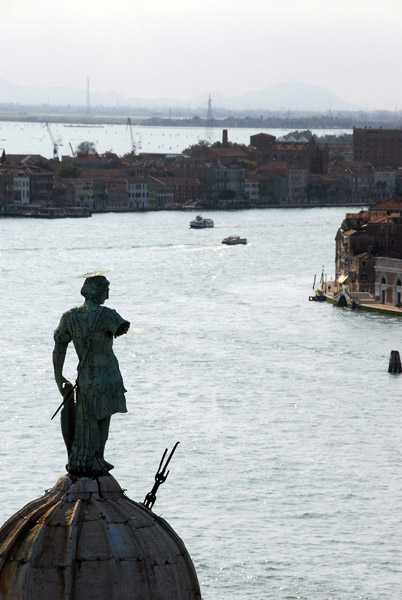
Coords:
pixel 124 327
pixel 59 355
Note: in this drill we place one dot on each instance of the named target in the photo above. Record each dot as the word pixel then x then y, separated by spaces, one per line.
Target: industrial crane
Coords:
pixel 55 144
pixel 133 148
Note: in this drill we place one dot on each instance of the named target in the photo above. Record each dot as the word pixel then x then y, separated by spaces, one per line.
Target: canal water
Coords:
pixel 287 481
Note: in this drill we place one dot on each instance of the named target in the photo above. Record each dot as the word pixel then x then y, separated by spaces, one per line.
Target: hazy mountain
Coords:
pixel 285 96
pixel 290 95
pixel 11 93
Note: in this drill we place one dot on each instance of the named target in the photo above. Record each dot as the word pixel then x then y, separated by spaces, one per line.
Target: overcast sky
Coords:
pixel 183 48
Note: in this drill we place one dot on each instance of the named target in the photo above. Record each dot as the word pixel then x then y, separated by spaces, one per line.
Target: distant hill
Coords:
pixel 287 96
pixel 290 95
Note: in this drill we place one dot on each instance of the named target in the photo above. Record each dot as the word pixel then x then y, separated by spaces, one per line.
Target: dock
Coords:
pixel 355 300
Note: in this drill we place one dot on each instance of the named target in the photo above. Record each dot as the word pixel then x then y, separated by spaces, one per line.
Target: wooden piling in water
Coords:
pixel 394 362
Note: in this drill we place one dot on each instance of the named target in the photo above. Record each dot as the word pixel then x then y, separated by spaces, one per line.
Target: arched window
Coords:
pixel 398 294
pixel 383 292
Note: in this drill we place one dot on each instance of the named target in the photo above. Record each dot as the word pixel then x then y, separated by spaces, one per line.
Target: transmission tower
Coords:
pixel 88 102
pixel 209 125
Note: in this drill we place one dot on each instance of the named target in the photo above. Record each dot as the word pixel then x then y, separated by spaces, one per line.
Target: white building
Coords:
pixel 21 188
pixel 388 280
pixel 138 194
pixel 297 183
pixel 252 190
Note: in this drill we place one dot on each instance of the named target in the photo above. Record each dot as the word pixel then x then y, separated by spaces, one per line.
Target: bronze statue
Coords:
pixel 99 387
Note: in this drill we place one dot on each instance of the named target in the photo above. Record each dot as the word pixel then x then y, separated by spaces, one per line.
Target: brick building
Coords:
pixel 380 147
pixel 369 250
pixel 308 155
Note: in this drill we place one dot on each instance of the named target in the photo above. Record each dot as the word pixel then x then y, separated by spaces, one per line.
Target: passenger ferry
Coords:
pixel 200 223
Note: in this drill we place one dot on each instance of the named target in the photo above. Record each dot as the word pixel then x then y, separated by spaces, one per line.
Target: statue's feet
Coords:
pixel 94 468
pixel 108 465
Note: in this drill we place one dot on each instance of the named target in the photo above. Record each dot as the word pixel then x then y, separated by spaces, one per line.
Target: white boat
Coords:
pixel 200 223
pixel 233 240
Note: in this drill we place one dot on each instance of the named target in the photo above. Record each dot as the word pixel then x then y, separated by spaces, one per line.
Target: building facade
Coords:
pixel 380 147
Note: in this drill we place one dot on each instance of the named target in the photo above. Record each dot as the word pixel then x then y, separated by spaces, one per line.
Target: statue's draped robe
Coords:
pixel 100 391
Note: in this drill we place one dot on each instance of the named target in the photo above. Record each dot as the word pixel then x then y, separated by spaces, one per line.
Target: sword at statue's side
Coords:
pixel 65 398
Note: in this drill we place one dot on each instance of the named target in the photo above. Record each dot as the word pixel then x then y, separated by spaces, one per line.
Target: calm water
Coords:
pixel 287 482
pixel 34 138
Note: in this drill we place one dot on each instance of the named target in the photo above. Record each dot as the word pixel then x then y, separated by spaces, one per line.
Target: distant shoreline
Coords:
pixel 291 121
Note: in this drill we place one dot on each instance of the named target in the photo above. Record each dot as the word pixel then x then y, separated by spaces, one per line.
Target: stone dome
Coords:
pixel 86 540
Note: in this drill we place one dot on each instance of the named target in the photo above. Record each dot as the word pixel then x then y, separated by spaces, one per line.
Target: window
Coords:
pixel 363 277
pixel 364 263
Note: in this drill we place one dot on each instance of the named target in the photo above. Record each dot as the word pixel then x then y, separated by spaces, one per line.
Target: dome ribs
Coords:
pixel 71 551
pixel 86 540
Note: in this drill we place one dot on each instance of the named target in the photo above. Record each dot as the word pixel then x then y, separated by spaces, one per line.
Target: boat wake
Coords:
pixel 163 246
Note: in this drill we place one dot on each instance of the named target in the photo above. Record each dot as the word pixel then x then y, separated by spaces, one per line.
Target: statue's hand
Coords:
pixel 124 327
pixel 67 389
pixel 64 386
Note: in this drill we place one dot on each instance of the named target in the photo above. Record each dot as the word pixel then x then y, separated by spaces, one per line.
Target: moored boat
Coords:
pixel 201 222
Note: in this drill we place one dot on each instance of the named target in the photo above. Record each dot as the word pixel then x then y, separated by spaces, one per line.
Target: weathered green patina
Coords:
pixel 85 417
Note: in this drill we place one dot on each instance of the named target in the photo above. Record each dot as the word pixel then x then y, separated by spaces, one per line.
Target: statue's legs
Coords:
pixel 103 426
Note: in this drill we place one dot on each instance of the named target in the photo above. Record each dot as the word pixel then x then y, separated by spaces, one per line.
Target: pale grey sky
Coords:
pixel 183 48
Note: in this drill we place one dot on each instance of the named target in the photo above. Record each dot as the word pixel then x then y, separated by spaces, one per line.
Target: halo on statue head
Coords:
pixel 94 274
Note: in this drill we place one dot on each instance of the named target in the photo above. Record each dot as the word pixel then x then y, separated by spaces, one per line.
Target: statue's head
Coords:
pixel 96 289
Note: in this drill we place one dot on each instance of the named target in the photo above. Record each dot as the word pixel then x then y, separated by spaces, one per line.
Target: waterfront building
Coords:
pixel 252 189
pixel 273 184
pixel 388 281
pixel 160 194
pixel 331 189
pixel 280 184
pixel 137 189
pixel 297 182
pixel 84 193
pixel 15 186
pixel 25 185
pixel 185 190
pixel 269 172
pixel 369 252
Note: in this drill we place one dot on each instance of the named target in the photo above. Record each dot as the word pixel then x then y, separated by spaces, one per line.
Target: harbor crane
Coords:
pixel 129 126
pixel 55 144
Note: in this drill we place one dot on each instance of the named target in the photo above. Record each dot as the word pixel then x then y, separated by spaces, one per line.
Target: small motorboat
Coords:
pixel 200 223
pixel 233 240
